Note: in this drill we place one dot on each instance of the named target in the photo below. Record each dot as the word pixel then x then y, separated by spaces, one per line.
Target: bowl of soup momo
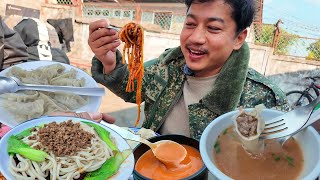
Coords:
pixel 231 149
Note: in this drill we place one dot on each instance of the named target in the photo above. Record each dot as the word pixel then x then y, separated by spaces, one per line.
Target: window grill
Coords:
pixel 65 2
pixel 117 13
pixel 163 19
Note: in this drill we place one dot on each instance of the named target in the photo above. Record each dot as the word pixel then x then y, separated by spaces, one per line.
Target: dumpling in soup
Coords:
pixel 249 126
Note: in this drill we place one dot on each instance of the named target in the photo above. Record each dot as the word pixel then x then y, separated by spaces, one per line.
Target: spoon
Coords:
pixel 12 84
pixel 177 153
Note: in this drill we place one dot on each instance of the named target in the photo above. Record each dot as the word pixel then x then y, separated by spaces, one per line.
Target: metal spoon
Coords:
pixel 156 147
pixel 12 84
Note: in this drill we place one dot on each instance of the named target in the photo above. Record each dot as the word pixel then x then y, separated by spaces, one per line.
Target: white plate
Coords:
pixel 124 172
pixel 92 105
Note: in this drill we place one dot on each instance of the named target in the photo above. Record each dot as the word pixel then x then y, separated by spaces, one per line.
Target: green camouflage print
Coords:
pixel 163 84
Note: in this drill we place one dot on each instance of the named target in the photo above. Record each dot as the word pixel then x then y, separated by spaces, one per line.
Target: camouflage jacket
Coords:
pixel 237 85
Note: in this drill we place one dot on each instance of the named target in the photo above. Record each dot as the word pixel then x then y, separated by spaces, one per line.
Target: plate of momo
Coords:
pixel 21 106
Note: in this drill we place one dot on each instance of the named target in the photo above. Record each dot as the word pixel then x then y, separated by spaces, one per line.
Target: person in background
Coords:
pixel 12 48
pixel 187 87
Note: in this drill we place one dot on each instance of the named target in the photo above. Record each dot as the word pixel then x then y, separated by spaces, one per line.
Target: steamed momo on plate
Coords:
pixel 26 105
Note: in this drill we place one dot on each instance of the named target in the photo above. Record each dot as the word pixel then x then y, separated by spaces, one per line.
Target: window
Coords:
pixel 65 2
pixel 98 12
pixel 90 12
pixel 163 19
pixel 117 13
pixel 126 14
pixel 106 13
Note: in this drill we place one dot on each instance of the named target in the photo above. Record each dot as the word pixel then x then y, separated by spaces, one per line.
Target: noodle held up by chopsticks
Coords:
pixel 132 35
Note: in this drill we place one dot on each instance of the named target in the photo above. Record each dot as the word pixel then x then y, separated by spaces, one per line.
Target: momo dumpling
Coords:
pixel 17 72
pixel 23 111
pixel 72 101
pixel 68 82
pixel 28 96
pixel 51 71
pixel 51 105
pixel 249 126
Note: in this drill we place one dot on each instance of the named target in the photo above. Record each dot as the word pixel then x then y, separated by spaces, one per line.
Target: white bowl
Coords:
pixel 92 105
pixel 124 172
pixel 308 139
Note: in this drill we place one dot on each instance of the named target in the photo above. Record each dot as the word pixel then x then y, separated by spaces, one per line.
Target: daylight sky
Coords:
pixel 299 16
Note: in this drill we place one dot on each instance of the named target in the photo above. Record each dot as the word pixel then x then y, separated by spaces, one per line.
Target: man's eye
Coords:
pixel 190 24
pixel 213 28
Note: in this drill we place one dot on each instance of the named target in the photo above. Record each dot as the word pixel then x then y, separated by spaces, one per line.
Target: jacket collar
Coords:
pixel 225 95
pixel 228 87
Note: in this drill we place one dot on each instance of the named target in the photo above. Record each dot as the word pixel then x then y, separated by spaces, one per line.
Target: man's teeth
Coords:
pixel 196 52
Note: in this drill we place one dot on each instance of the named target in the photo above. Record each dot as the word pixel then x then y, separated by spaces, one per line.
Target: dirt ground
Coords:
pixel 125 113
pixel 112 103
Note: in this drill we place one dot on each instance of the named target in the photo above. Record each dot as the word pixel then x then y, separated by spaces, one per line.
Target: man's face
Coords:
pixel 209 37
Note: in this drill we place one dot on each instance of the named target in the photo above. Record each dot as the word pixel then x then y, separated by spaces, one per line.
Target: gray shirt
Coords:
pixel 194 89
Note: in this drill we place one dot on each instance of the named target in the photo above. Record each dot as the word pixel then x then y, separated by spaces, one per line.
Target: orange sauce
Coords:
pixel 149 166
pixel 170 153
pixel 276 162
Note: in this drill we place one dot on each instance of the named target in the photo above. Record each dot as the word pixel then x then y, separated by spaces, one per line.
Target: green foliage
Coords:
pixel 265 36
pixel 314 51
pixel 285 41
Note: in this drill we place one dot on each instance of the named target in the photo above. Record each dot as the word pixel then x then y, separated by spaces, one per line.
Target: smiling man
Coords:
pixel 189 86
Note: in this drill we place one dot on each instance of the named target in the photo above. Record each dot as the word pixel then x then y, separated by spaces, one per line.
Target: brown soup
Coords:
pixel 275 162
pixel 149 166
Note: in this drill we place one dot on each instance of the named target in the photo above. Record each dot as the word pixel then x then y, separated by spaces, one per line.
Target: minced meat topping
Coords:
pixel 247 124
pixel 66 138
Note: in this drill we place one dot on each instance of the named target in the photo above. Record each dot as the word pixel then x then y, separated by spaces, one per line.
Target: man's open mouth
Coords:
pixel 196 52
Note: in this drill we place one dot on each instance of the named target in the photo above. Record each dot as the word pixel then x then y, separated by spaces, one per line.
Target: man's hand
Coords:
pixel 103 43
pixel 94 116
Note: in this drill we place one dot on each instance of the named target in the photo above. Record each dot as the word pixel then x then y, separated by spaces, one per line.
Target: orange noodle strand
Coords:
pixel 132 35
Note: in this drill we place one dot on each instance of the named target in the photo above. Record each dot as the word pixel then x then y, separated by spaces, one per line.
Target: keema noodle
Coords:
pixel 132 35
pixel 33 104
pixel 63 150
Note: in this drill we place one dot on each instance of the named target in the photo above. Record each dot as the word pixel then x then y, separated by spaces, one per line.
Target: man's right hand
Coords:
pixel 103 43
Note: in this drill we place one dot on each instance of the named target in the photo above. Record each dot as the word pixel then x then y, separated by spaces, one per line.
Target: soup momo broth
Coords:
pixel 274 163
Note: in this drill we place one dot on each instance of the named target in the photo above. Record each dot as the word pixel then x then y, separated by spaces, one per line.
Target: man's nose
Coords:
pixel 198 36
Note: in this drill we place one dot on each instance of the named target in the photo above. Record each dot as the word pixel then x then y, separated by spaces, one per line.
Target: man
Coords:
pixel 189 86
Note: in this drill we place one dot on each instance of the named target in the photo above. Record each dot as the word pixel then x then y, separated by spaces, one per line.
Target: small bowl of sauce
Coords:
pixel 147 166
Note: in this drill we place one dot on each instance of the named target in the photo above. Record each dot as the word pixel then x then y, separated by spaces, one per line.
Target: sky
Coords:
pixel 298 16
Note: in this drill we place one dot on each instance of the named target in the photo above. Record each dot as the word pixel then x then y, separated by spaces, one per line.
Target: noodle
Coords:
pixel 132 35
pixel 65 167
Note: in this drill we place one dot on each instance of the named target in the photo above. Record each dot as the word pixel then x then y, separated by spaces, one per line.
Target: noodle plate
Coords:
pixel 60 167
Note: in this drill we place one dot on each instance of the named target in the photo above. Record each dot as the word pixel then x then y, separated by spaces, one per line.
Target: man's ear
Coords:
pixel 239 40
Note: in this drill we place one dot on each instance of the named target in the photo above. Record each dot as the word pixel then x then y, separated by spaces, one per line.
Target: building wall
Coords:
pixel 262 58
pixel 36 4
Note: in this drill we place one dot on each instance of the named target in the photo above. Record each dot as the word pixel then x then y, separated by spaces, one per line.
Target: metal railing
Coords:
pixel 286 43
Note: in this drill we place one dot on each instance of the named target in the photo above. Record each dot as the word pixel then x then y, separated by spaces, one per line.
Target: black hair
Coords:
pixel 242 11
